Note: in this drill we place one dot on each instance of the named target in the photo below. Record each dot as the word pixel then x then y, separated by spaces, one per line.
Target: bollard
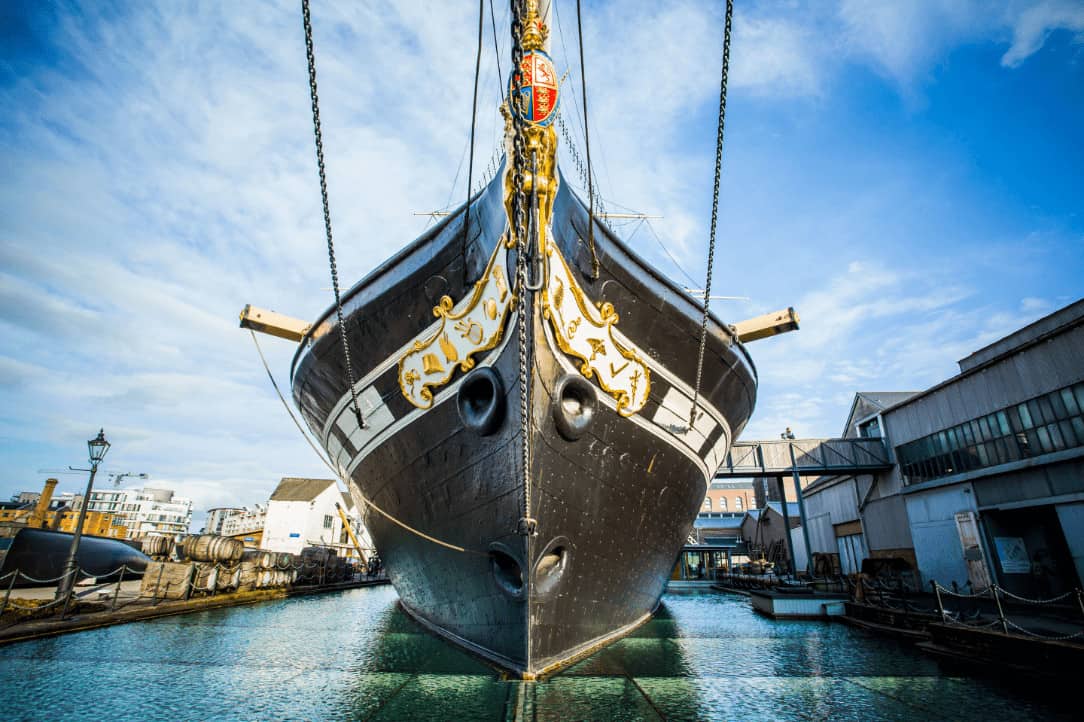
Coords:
pixel 71 591
pixel 937 593
pixel 119 582
pixel 1000 611
pixel 15 575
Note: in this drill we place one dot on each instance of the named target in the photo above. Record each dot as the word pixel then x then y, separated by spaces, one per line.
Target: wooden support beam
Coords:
pixel 277 324
pixel 770 324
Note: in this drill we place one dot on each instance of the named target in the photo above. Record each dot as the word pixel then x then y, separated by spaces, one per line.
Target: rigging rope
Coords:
pixel 496 49
pixel 714 209
pixel 327 211
pixel 473 121
pixel 587 150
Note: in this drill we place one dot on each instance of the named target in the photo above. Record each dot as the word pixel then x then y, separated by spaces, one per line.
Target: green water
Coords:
pixel 355 655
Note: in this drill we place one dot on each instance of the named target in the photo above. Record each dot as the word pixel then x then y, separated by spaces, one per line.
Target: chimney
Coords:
pixel 37 517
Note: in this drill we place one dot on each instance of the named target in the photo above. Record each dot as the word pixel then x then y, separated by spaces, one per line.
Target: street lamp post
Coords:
pixel 97 447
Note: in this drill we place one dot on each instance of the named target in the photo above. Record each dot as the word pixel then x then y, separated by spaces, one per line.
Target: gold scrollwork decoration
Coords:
pixel 619 370
pixel 465 329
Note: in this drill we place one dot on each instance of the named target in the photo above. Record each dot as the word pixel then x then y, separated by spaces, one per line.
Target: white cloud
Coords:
pixel 1032 26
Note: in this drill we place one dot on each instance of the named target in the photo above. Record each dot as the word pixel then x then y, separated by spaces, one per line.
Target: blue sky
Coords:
pixel 909 176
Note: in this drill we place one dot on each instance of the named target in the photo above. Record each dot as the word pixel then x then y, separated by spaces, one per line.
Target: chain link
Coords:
pixel 519 162
pixel 714 209
pixel 327 211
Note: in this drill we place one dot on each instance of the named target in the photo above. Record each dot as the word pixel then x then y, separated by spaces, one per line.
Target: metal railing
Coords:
pixel 203 581
pixel 805 456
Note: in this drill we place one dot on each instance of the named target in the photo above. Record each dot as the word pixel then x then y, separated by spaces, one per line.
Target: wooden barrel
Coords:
pixel 265 578
pixel 213 548
pixel 157 546
pixel 248 576
pixel 285 561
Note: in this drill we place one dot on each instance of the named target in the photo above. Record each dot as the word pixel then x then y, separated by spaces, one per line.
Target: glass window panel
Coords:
pixel 1003 424
pixel 1079 391
pixel 1045 442
pixel 1058 405
pixel 1048 411
pixel 1014 419
pixel 1078 427
pixel 1034 447
pixel 1036 413
pixel 984 458
pixel 1012 450
pixel 1025 415
pixel 1055 436
pixel 1069 400
pixel 984 428
pixel 965 432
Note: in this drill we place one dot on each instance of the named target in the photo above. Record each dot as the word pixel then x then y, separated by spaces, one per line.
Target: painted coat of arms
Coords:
pixel 534 89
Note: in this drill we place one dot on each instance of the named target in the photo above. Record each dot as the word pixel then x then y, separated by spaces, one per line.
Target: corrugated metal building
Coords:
pixel 989 476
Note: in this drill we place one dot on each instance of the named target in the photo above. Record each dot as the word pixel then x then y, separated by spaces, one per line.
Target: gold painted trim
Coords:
pixel 600 317
pixel 488 304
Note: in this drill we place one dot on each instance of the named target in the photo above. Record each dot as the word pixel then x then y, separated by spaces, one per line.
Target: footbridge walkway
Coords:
pixel 803 457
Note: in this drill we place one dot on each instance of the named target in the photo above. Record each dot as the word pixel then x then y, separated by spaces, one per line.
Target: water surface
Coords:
pixel 355 655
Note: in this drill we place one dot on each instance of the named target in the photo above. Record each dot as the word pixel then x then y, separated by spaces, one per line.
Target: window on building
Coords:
pixel 737 503
pixel 722 503
pixel 870 429
pixel 1041 425
pixel 327 521
pixel 707 503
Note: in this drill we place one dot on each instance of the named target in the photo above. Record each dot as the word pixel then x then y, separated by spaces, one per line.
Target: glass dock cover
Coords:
pixel 355 655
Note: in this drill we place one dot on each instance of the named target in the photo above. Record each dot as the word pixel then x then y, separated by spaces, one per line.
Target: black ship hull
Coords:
pixel 612 491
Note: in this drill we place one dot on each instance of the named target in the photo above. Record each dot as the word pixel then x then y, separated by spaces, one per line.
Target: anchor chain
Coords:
pixel 327 212
pixel 527 526
pixel 714 210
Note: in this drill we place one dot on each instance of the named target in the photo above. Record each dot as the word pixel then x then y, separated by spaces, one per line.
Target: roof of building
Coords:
pixel 297 489
pixel 884 399
pixel 348 503
pixel 1051 323
pixel 1062 320
pixel 726 522
pixel 792 508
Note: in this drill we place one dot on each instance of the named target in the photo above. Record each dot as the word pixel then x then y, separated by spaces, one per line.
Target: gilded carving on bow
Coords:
pixel 620 371
pixel 473 325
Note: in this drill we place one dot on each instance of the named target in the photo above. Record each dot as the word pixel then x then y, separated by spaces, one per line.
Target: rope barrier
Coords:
pixel 1029 633
pixel 1058 598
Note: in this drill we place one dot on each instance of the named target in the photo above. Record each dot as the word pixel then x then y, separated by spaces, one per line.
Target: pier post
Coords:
pixel 119 582
pixel 15 575
pixel 937 593
pixel 801 506
pixel 1000 611
pixel 786 526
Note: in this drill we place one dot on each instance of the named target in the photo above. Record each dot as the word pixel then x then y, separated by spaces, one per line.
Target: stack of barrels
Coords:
pixel 263 569
pixel 217 561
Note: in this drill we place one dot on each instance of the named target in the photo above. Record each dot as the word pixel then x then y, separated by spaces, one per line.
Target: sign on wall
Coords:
pixel 1013 554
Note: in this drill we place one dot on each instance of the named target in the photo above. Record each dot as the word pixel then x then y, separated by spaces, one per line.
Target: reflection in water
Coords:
pixel 356 655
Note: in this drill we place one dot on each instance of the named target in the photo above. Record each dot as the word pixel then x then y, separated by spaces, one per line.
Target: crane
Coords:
pixel 350 532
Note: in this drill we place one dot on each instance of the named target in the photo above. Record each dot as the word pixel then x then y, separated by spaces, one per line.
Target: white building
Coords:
pixel 244 521
pixel 145 512
pixel 301 513
pixel 217 517
pixel 231 521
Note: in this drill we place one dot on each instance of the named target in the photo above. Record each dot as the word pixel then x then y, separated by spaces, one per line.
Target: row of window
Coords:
pixel 1041 425
pixel 722 503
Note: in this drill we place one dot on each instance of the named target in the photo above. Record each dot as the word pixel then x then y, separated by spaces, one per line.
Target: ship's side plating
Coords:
pixel 531 565
pixel 614 499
